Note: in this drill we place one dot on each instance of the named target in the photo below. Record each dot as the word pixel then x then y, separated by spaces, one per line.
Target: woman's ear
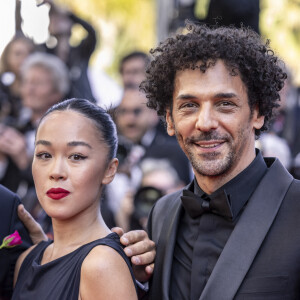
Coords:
pixel 111 171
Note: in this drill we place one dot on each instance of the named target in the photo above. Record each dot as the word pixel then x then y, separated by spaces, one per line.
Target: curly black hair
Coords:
pixel 242 51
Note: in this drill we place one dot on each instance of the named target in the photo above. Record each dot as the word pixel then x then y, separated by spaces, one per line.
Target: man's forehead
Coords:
pixel 200 68
pixel 216 80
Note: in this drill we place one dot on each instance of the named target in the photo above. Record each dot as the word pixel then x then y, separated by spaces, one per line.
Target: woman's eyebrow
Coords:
pixel 43 142
pixel 79 143
pixel 70 144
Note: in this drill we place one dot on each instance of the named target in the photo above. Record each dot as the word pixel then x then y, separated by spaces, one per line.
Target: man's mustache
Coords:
pixel 207 136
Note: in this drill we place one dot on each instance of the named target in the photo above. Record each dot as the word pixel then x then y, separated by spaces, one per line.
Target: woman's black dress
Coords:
pixel 60 278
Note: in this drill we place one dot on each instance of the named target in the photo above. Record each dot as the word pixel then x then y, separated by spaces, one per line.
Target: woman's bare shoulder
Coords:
pixel 105 275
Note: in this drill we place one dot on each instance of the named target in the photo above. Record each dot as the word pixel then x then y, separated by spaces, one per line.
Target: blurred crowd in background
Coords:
pixel 33 77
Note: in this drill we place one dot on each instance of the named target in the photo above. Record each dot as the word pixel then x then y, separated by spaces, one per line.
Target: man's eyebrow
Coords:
pixel 70 144
pixel 185 96
pixel 225 95
pixel 218 95
pixel 79 143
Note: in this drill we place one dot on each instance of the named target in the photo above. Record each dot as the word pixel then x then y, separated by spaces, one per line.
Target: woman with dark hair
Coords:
pixel 74 159
pixel 12 58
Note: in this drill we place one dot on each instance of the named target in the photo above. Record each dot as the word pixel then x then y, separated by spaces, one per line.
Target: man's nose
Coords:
pixel 207 118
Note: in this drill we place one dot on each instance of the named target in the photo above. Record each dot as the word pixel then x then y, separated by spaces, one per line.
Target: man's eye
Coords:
pixel 226 103
pixel 188 105
pixel 43 155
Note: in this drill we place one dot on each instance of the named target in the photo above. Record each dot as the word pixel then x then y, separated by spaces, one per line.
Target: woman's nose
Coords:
pixel 58 170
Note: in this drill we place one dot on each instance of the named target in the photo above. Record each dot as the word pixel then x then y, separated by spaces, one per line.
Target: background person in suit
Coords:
pixel 222 236
pixel 9 222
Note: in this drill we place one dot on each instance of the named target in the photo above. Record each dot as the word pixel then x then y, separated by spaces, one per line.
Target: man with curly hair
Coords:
pixel 232 232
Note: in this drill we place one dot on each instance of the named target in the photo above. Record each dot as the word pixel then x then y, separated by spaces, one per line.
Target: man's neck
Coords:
pixel 210 184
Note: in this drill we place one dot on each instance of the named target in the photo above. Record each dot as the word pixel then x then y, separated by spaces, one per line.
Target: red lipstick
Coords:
pixel 57 193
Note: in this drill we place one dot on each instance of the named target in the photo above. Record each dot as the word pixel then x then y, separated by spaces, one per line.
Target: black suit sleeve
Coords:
pixel 87 45
pixel 9 222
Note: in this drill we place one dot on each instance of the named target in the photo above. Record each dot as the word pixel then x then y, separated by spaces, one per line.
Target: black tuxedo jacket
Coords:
pixel 261 259
pixel 9 222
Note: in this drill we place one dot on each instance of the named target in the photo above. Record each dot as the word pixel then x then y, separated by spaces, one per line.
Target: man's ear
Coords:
pixel 258 120
pixel 110 171
pixel 170 123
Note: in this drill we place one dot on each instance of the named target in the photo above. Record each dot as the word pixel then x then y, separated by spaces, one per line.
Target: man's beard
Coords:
pixel 216 163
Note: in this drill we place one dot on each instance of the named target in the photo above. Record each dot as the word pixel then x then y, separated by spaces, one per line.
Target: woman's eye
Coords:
pixel 43 155
pixel 77 157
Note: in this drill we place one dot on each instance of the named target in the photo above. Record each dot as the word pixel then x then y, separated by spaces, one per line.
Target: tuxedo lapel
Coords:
pixel 165 248
pixel 248 235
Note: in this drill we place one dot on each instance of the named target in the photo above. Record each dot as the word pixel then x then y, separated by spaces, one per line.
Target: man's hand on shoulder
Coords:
pixel 34 228
pixel 141 250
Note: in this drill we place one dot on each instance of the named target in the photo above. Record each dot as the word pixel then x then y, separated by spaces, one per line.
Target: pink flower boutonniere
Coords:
pixel 11 240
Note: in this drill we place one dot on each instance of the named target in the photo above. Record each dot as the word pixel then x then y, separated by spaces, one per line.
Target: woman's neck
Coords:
pixel 72 233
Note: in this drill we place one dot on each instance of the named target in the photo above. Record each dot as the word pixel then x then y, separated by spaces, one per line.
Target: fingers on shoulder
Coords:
pixel 144 249
pixel 118 230
pixel 135 236
pixel 24 215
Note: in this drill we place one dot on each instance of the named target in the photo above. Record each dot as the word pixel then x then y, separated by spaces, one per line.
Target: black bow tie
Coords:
pixel 216 203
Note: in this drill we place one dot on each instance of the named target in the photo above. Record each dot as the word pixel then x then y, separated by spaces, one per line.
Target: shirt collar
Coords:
pixel 240 188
